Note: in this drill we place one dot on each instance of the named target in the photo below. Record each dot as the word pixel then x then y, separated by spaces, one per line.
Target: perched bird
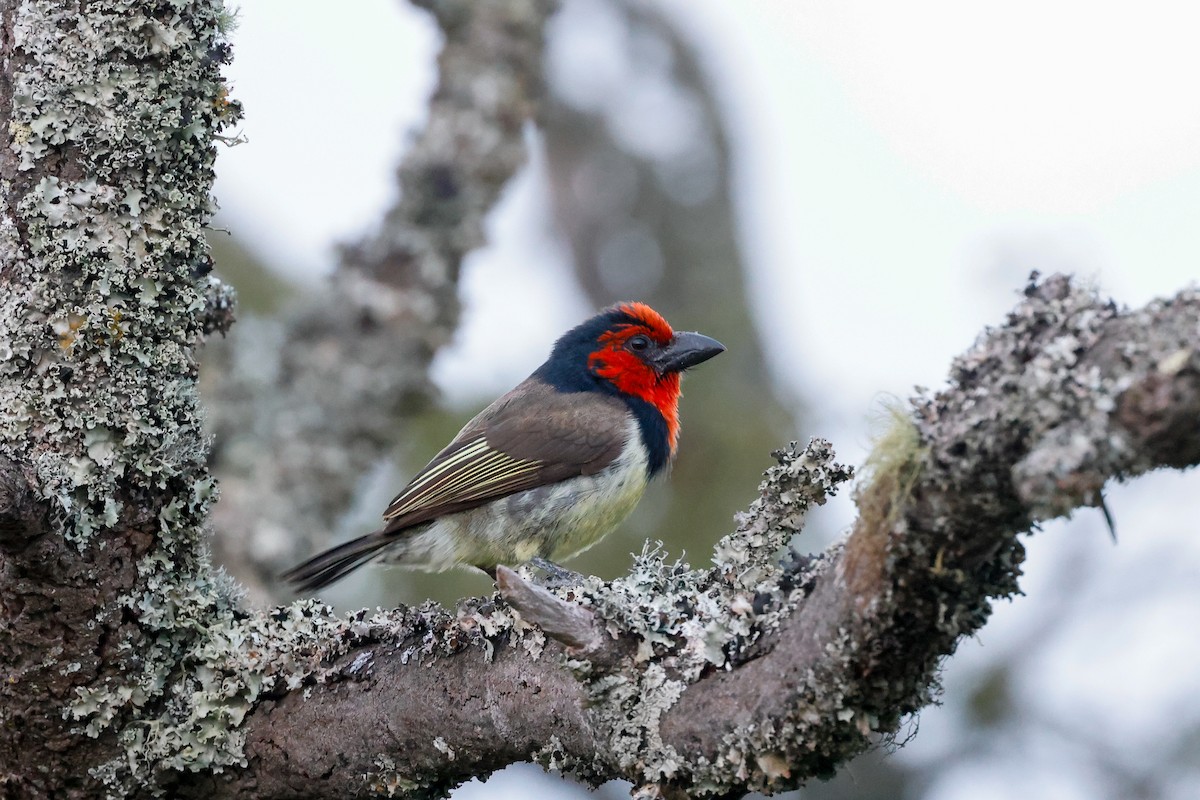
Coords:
pixel 549 468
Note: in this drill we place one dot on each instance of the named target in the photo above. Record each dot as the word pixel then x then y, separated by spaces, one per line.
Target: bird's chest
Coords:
pixel 598 506
pixel 558 521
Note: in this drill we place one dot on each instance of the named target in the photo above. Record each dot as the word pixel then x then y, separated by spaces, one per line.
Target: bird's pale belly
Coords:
pixel 553 522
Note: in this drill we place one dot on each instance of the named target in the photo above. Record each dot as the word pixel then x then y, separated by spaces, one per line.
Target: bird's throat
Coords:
pixel 656 406
pixel 658 396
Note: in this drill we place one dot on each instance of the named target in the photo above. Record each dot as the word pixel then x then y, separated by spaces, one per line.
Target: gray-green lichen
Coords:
pixel 206 666
pixel 1068 464
pixel 112 118
pixel 107 297
pixel 210 662
pixel 1076 363
pixel 385 780
pixel 687 623
pixel 802 478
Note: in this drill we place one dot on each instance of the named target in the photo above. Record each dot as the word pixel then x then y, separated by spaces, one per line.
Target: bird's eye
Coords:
pixel 639 343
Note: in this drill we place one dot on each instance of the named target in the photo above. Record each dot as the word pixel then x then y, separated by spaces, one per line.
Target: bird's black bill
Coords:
pixel 687 350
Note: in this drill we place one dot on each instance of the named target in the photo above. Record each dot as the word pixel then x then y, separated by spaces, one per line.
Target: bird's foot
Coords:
pixel 556 577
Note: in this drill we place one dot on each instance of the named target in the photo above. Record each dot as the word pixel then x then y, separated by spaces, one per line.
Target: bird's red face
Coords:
pixel 644 357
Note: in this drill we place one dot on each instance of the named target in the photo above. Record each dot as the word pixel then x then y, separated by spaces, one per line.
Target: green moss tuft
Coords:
pixel 896 455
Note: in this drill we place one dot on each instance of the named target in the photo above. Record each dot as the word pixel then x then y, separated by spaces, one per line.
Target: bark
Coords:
pixel 131 669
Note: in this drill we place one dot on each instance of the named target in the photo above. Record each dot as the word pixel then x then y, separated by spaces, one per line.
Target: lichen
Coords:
pixel 97 389
pixel 895 459
pixel 553 756
pixel 209 662
pixel 688 622
pixel 386 781
pixel 116 105
pixel 206 664
pixel 1065 405
pixel 803 478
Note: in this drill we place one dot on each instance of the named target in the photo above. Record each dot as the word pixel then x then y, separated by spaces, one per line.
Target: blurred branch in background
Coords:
pixel 303 406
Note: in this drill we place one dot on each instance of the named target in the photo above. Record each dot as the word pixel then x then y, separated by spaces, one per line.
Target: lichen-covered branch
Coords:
pixel 305 405
pixel 755 673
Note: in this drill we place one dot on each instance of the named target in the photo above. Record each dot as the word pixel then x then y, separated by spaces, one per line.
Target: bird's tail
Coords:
pixel 326 567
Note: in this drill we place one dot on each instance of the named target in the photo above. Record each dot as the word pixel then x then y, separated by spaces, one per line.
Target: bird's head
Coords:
pixel 631 350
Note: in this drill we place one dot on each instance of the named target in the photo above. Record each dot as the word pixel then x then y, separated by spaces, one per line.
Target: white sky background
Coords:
pixel 900 169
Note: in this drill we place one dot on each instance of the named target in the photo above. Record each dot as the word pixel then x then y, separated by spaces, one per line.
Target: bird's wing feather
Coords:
pixel 533 436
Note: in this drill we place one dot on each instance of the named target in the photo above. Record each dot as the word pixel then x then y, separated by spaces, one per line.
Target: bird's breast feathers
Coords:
pixel 594 505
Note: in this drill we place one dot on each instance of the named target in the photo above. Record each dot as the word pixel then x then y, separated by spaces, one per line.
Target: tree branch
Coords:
pixel 757 676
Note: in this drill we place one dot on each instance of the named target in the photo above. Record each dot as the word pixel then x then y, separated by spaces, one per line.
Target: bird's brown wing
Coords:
pixel 533 436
